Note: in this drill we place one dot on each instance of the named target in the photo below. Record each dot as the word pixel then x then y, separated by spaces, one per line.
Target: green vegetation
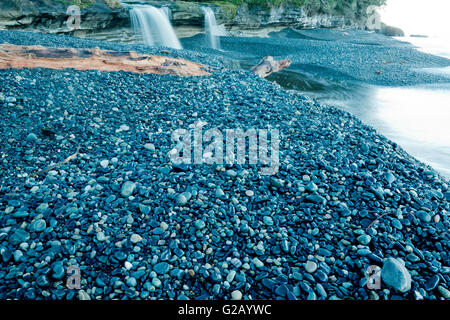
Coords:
pixel 229 9
pixel 80 3
pixel 268 2
pixel 346 7
pixel 342 6
pixel 113 4
pixel 253 3
pixel 320 6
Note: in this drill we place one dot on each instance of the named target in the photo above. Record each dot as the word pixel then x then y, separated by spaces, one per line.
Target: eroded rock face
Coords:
pixel 186 16
pixel 245 17
pixel 285 15
pixel 51 16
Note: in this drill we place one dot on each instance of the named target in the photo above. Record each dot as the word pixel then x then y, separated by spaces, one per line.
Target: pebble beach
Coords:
pixel 344 201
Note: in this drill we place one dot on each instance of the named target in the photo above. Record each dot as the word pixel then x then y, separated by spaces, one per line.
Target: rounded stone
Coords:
pixel 310 266
pixel 149 146
pixel 127 189
pixel 231 173
pixel 444 292
pixel 156 282
pixel 161 268
pixel 395 275
pixel 236 295
pixel 268 221
pixel 219 192
pixel 135 238
pixel 364 239
pixel 32 137
pixel 83 295
pixel 19 236
pixel 199 224
pixel 249 193
pixel 104 163
pixel 101 236
pixel 131 282
pixel 38 225
pixel 312 187
pixel 181 200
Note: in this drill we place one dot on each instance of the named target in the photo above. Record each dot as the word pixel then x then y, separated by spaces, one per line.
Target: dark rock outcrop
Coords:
pixel 256 17
pixel 391 31
pixel 51 16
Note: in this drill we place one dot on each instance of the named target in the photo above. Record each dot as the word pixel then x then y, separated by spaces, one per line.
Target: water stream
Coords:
pixel 212 29
pixel 153 26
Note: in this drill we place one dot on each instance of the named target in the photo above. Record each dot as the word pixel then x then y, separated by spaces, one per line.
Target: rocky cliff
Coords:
pixel 98 15
pixel 253 17
pixel 51 16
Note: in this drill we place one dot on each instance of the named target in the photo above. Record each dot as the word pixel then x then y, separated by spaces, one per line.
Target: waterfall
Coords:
pixel 212 29
pixel 153 26
pixel 167 12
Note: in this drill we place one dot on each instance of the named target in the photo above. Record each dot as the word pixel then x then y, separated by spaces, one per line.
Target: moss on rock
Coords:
pixel 228 9
pixel 113 4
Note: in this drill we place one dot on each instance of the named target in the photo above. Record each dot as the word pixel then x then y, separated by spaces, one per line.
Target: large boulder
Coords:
pixel 391 31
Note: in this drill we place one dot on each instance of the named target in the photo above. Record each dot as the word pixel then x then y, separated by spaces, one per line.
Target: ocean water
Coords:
pixel 416 118
pixel 437 45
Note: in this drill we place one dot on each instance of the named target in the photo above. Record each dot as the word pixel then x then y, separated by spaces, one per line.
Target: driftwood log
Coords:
pixel 269 65
pixel 18 57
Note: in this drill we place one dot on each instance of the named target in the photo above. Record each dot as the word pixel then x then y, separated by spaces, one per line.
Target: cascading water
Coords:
pixel 212 29
pixel 166 11
pixel 153 26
